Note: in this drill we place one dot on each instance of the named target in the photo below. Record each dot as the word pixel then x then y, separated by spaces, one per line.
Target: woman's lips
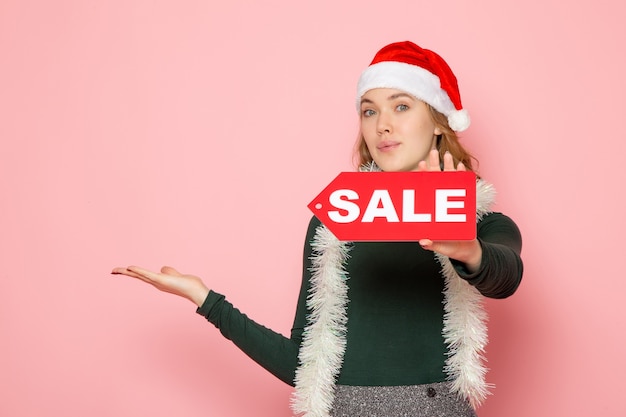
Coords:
pixel 387 145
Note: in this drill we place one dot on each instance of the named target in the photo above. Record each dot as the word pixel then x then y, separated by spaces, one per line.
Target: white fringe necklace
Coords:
pixel 324 340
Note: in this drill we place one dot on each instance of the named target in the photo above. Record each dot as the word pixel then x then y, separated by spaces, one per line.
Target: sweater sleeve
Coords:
pixel 273 351
pixel 501 266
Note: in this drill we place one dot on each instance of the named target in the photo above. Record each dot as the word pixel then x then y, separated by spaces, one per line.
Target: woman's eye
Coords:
pixel 368 113
pixel 402 107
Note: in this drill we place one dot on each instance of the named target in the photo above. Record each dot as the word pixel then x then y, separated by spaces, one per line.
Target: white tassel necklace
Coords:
pixel 324 340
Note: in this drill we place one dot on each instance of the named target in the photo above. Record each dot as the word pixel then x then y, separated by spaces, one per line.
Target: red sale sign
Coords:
pixel 399 206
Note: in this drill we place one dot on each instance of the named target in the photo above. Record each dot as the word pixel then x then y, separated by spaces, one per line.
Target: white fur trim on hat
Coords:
pixel 417 81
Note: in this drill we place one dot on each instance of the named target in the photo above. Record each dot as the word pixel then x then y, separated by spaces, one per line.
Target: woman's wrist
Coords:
pixel 472 263
pixel 199 295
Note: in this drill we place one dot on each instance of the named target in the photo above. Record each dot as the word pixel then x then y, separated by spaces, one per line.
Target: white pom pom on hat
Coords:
pixel 420 72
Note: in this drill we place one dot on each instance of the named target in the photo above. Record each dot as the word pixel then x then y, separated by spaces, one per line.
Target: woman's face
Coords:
pixel 397 128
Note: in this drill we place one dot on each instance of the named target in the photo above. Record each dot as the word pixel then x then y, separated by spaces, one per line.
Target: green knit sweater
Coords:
pixel 395 309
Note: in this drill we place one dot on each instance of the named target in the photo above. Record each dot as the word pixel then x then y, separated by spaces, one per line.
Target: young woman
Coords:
pixel 385 328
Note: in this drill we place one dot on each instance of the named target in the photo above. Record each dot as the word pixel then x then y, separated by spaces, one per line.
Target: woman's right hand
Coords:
pixel 169 280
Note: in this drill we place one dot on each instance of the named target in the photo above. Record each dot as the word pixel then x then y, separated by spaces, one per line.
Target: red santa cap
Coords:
pixel 419 72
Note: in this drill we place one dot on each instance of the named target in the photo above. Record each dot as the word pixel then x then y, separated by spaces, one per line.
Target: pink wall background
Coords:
pixel 194 133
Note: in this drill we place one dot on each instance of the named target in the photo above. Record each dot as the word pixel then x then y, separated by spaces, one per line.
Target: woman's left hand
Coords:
pixel 169 280
pixel 467 251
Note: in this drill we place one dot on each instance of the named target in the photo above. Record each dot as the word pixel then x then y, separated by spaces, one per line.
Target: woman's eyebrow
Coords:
pixel 398 95
pixel 390 98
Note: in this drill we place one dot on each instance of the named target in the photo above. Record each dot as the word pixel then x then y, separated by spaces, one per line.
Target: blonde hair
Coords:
pixel 447 141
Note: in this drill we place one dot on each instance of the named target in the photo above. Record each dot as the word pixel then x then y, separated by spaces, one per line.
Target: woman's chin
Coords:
pixel 388 166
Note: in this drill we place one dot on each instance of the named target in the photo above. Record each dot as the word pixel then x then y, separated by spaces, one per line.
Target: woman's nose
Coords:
pixel 383 124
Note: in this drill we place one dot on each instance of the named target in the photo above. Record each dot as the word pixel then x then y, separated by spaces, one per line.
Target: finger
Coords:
pixel 124 271
pixel 433 161
pixel 170 271
pixel 426 244
pixel 145 274
pixel 448 162
pixel 421 166
pixel 461 167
